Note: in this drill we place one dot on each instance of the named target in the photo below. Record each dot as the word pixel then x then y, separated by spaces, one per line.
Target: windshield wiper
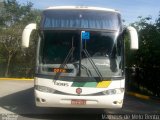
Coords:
pixel 84 67
pixel 93 64
pixel 65 61
pixel 88 57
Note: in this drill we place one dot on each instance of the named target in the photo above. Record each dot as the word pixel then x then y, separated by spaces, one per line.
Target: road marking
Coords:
pixel 16 79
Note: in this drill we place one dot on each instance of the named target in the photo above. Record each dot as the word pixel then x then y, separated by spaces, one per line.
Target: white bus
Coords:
pixel 80 57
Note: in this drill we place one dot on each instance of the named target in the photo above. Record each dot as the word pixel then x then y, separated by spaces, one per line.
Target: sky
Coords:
pixel 129 9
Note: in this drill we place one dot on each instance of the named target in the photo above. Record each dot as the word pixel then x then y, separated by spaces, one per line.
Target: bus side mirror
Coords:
pixel 133 37
pixel 26 34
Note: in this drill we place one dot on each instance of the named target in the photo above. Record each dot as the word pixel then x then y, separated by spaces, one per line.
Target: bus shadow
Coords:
pixel 22 103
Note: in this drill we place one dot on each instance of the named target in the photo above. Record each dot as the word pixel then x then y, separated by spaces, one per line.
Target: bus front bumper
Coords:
pixel 69 101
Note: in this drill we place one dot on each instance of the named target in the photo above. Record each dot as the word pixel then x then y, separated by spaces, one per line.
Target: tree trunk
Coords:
pixel 8 64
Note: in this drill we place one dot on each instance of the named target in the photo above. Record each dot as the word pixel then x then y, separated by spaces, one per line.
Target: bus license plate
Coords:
pixel 78 102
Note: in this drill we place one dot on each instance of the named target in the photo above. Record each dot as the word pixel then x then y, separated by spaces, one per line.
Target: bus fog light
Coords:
pixel 118 102
pixel 113 91
pixel 37 99
pixel 43 100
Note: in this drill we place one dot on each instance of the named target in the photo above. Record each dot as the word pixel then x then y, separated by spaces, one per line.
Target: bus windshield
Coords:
pixel 73 19
pixel 60 54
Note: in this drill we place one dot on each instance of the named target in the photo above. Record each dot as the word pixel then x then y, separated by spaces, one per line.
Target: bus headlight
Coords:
pixel 44 89
pixel 113 91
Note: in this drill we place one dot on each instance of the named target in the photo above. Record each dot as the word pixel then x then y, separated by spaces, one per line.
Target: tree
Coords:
pixel 148 55
pixel 9 40
pixel 14 17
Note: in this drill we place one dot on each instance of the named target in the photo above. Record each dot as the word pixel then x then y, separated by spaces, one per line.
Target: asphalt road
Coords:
pixel 17 103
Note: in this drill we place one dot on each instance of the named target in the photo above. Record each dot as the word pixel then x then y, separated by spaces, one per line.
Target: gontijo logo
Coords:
pixel 78 90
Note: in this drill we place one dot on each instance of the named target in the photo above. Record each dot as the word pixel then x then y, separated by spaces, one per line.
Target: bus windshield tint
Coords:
pixel 79 19
pixel 60 52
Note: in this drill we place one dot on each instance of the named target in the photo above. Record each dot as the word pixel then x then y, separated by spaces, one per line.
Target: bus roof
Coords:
pixel 81 8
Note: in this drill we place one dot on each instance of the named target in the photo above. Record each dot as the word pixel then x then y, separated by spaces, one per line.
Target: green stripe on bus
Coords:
pixel 84 84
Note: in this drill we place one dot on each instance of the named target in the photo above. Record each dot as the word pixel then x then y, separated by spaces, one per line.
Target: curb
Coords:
pixel 145 97
pixel 139 95
pixel 16 79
